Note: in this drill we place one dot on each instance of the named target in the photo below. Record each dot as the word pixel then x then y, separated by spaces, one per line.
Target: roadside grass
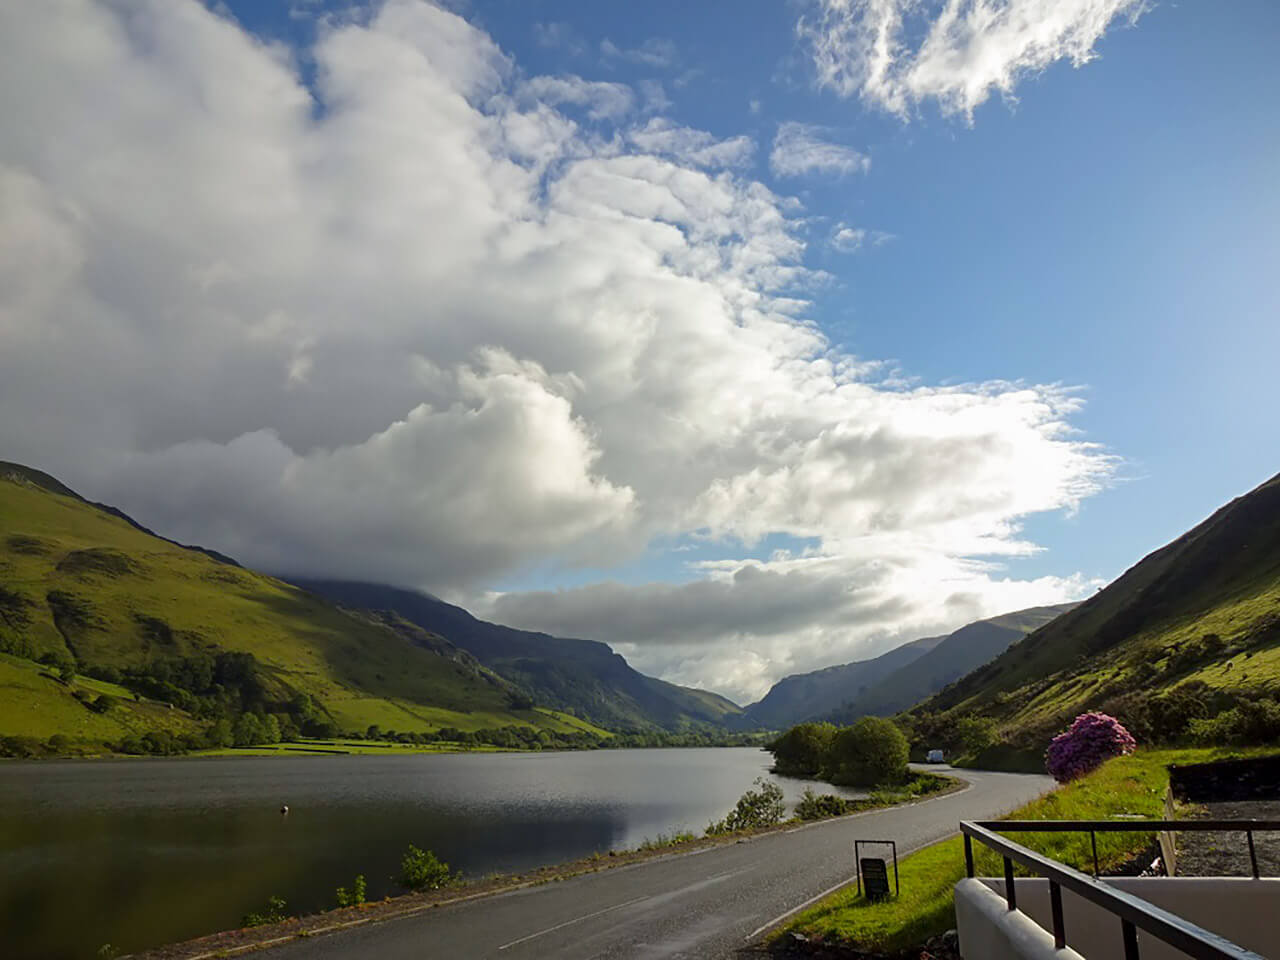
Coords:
pixel 1132 785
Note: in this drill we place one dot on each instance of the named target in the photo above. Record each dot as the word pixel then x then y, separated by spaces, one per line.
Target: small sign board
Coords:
pixel 875 878
pixel 873 872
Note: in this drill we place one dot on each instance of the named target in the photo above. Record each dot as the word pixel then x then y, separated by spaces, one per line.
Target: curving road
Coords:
pixel 703 904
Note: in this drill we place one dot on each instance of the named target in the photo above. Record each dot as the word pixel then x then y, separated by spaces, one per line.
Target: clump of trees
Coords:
pixel 870 752
pixel 1090 741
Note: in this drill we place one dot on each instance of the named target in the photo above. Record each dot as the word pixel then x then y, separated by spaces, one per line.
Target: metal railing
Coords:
pixel 1134 912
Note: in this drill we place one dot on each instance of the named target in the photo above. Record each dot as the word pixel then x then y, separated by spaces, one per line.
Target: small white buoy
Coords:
pixel 284 808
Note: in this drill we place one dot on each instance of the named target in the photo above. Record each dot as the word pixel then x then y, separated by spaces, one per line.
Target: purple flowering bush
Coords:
pixel 1090 740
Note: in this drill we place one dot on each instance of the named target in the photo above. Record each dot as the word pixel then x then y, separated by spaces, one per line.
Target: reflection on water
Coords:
pixel 141 852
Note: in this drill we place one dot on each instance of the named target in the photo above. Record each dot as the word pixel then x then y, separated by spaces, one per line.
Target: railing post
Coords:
pixel 1055 904
pixel 1010 892
pixel 968 854
pixel 1130 934
pixel 1093 839
pixel 1253 854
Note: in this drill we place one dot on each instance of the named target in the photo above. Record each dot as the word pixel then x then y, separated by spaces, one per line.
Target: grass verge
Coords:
pixel 1132 785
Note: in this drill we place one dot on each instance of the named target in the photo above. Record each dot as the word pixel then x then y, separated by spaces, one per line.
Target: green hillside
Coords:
pixel 958 653
pixel 1190 633
pixel 580 675
pixel 82 583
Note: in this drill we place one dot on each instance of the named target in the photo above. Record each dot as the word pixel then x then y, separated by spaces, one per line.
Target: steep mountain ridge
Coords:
pixel 1199 616
pixel 955 655
pixel 584 676
pixel 806 696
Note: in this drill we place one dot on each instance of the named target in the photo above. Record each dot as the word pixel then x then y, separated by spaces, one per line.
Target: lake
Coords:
pixel 138 853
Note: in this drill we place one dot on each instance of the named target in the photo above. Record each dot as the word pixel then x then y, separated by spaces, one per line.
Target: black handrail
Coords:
pixel 1133 911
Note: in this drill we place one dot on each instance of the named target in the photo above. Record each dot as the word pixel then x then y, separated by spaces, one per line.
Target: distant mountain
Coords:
pixel 82 582
pixel 806 696
pixel 1200 614
pixel 950 658
pixel 584 676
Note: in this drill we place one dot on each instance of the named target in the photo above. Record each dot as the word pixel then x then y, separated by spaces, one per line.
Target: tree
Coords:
pixel 247 730
pixel 270 729
pixel 762 807
pixel 220 734
pixel 974 734
pixel 802 750
pixel 870 752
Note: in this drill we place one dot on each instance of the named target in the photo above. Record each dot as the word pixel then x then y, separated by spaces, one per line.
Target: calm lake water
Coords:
pixel 137 853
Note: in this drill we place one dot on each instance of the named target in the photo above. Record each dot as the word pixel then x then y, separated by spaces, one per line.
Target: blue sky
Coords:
pixel 419 314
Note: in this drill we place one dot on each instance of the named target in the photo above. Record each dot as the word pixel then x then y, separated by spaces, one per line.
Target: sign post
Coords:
pixel 873 872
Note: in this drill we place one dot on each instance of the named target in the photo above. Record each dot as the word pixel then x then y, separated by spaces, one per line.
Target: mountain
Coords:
pixel 808 696
pixel 584 676
pixel 81 582
pixel 1191 629
pixel 948 659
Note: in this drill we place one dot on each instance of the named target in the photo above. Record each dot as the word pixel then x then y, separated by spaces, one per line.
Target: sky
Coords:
pixel 748 338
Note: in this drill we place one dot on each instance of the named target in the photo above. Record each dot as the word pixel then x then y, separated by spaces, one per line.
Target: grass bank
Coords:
pixel 1132 785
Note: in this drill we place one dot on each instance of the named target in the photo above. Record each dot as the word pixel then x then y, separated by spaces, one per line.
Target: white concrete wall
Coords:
pixel 989 930
pixel 1245 911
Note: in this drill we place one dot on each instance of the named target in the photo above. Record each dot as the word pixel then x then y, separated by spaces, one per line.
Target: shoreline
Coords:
pixel 245 940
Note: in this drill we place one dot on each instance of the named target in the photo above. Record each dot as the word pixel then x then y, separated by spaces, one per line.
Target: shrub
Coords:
pixel 273 914
pixel 1250 722
pixel 812 806
pixel 356 895
pixel 103 704
pixel 802 750
pixel 1092 739
pixel 762 807
pixel 872 751
pixel 422 870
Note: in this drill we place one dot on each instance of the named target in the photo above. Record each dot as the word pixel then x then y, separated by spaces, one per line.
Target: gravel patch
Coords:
pixel 1226 853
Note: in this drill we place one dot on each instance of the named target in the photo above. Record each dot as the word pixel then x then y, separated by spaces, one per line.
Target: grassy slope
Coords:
pixel 1222 577
pixel 1127 785
pixel 361 670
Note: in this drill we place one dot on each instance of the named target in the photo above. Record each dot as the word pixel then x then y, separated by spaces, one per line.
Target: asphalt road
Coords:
pixel 704 904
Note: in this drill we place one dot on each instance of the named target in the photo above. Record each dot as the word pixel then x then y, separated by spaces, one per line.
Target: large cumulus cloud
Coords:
pixel 431 320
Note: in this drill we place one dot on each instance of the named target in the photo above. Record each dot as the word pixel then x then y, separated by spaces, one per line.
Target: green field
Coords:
pixel 77 581
pixel 1131 785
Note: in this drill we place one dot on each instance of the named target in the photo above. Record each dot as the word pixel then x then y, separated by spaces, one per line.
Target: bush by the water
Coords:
pixel 1092 739
pixel 353 897
pixel 803 750
pixel 423 870
pixel 872 751
pixel 762 807
pixel 274 913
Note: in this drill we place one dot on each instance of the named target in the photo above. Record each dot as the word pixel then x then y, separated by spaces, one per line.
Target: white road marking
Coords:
pixel 844 883
pixel 569 923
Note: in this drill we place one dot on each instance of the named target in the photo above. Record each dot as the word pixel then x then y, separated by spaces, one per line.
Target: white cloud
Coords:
pixel 559 36
pixel 602 100
pixel 800 148
pixel 416 324
pixel 654 52
pixel 895 54
pixel 688 145
pixel 847 239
